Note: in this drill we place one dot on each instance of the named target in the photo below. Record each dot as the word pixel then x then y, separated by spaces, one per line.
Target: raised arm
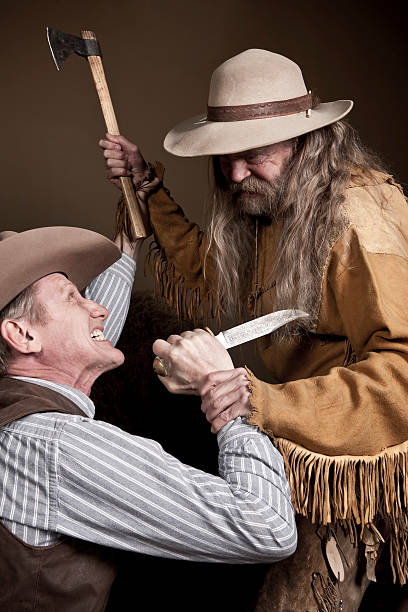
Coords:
pixel 180 253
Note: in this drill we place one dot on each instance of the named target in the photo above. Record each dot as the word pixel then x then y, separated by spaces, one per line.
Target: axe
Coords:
pixel 62 45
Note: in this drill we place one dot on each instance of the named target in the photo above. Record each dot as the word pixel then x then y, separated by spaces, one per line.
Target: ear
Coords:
pixel 20 335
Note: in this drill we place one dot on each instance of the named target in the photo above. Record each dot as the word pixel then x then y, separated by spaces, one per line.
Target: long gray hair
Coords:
pixel 309 206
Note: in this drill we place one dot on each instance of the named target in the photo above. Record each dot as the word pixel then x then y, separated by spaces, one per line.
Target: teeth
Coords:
pixel 97 335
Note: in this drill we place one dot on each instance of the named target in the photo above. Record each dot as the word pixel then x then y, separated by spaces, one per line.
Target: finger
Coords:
pixel 173 339
pixel 115 172
pixel 106 144
pixel 222 395
pixel 215 378
pixel 188 334
pixel 161 348
pixel 123 142
pixel 116 163
pixel 228 415
pixel 199 331
pixel 113 154
pixel 115 138
pixel 220 404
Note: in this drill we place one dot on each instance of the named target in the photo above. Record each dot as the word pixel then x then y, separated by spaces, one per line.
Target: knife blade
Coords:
pixel 258 327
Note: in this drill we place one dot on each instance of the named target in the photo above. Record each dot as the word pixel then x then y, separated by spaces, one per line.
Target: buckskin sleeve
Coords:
pixel 362 408
pixel 178 257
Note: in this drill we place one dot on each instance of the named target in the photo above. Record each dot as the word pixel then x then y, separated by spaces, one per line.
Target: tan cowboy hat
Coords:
pixel 256 98
pixel 28 256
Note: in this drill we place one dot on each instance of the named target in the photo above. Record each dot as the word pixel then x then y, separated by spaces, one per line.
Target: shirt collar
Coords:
pixel 80 399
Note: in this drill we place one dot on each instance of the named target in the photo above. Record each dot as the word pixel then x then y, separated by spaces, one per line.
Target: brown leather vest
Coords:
pixel 70 576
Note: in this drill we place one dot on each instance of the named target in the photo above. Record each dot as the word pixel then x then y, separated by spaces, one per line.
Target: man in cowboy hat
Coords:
pixel 74 488
pixel 302 216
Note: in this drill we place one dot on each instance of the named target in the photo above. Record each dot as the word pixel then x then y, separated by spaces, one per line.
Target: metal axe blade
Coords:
pixel 63 44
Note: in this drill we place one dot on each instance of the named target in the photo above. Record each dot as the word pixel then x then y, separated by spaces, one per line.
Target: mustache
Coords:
pixel 250 184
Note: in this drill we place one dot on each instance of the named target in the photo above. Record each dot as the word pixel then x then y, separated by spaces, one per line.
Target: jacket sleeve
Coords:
pixel 183 270
pixel 362 408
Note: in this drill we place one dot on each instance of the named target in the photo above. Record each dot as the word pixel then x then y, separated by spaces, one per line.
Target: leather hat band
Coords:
pixel 261 110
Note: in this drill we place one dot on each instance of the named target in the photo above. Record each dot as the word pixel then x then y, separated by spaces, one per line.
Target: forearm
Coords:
pixel 334 414
pixel 359 409
pixel 182 242
pixel 126 492
pixel 113 290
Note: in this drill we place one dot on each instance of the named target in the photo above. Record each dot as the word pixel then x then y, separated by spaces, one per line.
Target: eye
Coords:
pixel 255 159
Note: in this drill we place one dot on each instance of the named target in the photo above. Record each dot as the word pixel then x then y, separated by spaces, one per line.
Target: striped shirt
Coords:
pixel 113 289
pixel 72 475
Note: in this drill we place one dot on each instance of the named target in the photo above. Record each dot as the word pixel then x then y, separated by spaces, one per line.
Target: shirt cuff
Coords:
pixel 234 430
pixel 125 267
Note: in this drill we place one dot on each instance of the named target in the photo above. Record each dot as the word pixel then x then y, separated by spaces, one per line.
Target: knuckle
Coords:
pixel 216 403
pixel 175 351
pixel 225 416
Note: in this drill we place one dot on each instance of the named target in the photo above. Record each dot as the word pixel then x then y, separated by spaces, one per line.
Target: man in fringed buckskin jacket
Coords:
pixel 301 216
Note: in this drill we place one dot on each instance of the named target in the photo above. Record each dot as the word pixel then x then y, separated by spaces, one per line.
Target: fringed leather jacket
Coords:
pixel 339 411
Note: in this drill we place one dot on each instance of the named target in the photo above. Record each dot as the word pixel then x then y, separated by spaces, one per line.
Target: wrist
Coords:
pixel 130 248
pixel 145 180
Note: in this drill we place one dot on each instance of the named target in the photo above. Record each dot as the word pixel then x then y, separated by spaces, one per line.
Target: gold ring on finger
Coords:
pixel 160 366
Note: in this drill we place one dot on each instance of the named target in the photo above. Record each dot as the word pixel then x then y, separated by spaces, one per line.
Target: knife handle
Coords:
pixel 98 73
pixel 221 339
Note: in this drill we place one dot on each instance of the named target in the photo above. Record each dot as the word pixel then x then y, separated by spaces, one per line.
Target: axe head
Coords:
pixel 63 44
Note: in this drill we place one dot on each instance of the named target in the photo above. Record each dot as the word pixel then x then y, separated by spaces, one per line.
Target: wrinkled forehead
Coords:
pixel 52 285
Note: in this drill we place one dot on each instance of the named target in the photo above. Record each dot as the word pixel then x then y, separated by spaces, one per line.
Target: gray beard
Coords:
pixel 257 197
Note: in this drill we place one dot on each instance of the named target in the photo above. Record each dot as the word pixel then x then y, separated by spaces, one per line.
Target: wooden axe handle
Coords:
pixel 99 78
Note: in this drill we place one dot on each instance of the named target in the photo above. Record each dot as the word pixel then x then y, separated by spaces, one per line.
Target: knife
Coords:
pixel 245 332
pixel 258 327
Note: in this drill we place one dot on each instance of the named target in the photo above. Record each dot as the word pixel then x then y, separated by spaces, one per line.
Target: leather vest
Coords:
pixel 70 576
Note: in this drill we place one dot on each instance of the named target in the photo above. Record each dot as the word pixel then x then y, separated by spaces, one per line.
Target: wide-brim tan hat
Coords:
pixel 26 257
pixel 256 98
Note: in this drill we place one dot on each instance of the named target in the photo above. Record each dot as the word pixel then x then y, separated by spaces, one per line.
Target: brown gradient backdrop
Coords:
pixel 159 57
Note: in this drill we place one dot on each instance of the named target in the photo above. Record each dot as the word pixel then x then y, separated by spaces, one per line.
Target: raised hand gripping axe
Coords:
pixel 62 45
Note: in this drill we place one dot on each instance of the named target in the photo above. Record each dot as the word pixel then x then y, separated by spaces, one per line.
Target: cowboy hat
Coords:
pixel 256 98
pixel 26 257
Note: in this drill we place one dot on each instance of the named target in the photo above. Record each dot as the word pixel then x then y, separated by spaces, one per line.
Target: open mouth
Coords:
pixel 97 335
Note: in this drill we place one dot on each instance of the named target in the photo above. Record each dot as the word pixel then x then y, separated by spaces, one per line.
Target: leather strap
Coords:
pixel 262 110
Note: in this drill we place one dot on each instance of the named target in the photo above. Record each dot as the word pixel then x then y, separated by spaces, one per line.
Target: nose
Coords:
pixel 97 311
pixel 239 170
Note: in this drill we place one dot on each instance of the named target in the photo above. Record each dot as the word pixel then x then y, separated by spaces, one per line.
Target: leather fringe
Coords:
pixel 190 304
pixel 123 224
pixel 353 490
